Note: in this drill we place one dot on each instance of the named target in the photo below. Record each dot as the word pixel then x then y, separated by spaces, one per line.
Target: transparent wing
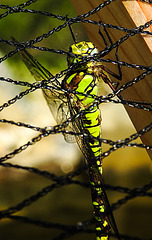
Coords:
pixel 81 138
pixel 56 99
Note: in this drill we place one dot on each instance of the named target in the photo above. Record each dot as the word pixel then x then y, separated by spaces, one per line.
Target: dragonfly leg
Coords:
pixel 119 75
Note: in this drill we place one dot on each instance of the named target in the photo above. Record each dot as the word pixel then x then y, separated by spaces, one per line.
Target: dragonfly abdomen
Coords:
pixel 85 90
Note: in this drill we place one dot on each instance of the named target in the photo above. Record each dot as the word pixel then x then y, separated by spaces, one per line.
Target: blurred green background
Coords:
pixel 128 167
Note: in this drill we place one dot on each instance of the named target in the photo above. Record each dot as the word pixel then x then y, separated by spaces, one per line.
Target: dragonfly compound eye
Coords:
pixel 83 49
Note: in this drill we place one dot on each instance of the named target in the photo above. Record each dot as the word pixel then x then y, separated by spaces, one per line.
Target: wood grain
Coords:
pixel 134 50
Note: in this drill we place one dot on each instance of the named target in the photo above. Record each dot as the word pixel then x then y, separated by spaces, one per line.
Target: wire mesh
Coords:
pixel 38 210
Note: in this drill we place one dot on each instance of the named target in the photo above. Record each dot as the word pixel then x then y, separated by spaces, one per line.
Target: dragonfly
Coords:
pixel 78 99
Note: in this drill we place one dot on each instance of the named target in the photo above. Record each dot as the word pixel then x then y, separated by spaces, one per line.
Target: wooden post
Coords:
pixel 136 49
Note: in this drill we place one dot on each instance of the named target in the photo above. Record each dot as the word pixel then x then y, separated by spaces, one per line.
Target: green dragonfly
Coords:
pixel 80 87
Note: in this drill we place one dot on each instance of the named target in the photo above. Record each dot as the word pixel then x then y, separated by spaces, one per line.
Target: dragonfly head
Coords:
pixel 83 49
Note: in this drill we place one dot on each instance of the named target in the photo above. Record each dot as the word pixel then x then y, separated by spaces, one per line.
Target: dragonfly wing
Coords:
pixel 79 129
pixel 60 112
pixel 56 99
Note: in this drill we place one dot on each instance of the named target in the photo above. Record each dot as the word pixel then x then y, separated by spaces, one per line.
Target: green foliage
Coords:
pixel 27 26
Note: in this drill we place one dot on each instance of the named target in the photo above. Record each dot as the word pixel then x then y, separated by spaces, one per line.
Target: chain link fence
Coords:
pixel 45 195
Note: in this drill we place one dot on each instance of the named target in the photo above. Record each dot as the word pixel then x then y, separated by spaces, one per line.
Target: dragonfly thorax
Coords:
pixel 81 49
